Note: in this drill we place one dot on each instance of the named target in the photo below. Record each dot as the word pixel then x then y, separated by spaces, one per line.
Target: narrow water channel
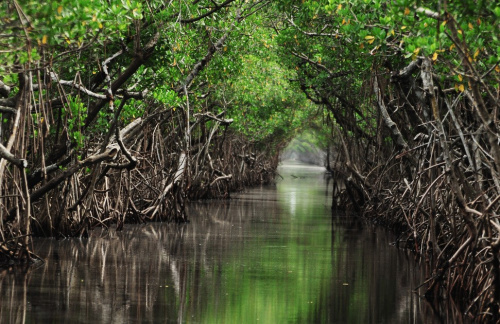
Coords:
pixel 273 254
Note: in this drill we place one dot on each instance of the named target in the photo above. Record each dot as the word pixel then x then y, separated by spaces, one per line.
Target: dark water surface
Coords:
pixel 270 255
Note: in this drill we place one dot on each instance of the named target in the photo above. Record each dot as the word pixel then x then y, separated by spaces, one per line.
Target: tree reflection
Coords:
pixel 239 260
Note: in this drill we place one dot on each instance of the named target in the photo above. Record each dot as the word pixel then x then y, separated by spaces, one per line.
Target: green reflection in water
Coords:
pixel 278 277
pixel 300 264
pixel 272 255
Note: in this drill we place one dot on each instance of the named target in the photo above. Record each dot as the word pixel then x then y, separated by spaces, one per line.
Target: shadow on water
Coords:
pixel 273 254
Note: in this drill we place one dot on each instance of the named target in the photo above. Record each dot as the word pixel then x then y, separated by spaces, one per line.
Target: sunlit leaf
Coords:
pixel 476 53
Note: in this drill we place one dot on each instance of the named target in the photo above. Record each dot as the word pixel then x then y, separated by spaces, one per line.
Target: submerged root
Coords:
pixel 15 254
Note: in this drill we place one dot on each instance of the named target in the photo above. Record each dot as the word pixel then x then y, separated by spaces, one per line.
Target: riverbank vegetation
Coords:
pixel 413 98
pixel 122 111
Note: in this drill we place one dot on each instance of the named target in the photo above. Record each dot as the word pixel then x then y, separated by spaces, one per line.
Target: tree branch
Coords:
pixel 400 141
pixel 5 154
pixel 198 67
pixel 216 8
pixel 77 86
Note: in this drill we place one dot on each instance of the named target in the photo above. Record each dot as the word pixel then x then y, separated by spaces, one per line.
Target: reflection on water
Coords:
pixel 271 255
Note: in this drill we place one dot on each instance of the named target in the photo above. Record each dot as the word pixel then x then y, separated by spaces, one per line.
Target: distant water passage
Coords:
pixel 273 254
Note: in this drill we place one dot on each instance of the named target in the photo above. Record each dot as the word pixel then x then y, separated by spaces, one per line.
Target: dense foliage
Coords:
pixel 117 111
